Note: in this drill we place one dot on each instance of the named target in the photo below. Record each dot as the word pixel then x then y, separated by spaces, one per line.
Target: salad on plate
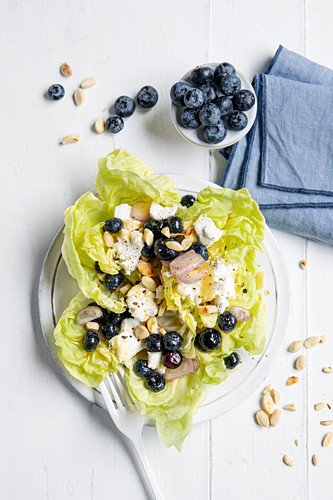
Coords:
pixel 167 289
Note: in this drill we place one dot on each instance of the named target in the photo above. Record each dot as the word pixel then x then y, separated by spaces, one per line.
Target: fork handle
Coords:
pixel 138 444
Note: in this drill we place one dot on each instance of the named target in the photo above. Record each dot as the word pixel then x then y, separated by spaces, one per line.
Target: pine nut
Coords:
pixel 174 245
pixel 66 69
pixel 71 138
pixel 295 346
pixel 149 283
pixel 267 404
pixel 141 332
pixel 275 395
pixel 99 125
pixel 311 342
pixel 288 461
pixel 328 369
pixel 108 239
pixel 290 407
pixel 145 268
pixel 166 232
pixel 88 82
pixel 292 380
pixel 300 363
pixel 315 460
pixel 262 418
pixel 148 237
pixel 275 418
pixel 319 406
pixel 152 325
pixel 79 97
pixel 327 439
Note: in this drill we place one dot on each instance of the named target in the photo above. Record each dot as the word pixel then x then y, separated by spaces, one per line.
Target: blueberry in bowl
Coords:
pixel 177 92
pixel 194 98
pixel 209 91
pixel 190 118
pixel 222 70
pixel 202 75
pixel 244 100
pixel 215 133
pixel 230 84
pixel 209 114
pixel 237 120
pixel 225 105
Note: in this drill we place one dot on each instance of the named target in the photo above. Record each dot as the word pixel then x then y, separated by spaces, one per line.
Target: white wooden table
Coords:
pixel 55 445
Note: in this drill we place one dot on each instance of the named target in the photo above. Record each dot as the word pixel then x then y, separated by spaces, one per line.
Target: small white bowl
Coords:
pixel 194 135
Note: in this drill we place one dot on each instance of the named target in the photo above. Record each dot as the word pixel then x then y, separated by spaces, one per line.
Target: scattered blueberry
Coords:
pixel 177 92
pixel 194 98
pixel 237 120
pixel 172 341
pixel 209 92
pixel 155 382
pixel 56 92
pixel 230 84
pixel 225 105
pixel 114 318
pixel 172 359
pixel 147 97
pixel 187 200
pixel 175 224
pixel 209 114
pixel 226 321
pixel 113 225
pixel 155 226
pixel 109 330
pixel 201 249
pixel 148 251
pixel 142 369
pixel 198 345
pixel 189 118
pixel 210 339
pixel 215 133
pixel 223 70
pixel 202 75
pixel 112 281
pixel 244 100
pixel 90 341
pixel 162 251
pixel 154 343
pixel 232 360
pixel 114 124
pixel 97 268
pixel 124 106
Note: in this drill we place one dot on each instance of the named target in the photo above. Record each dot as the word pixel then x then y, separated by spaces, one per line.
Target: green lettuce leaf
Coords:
pixel 89 367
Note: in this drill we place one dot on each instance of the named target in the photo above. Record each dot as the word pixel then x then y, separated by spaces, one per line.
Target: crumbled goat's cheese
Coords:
pixel 129 251
pixel 141 302
pixel 125 345
pixel 206 230
pixel 158 212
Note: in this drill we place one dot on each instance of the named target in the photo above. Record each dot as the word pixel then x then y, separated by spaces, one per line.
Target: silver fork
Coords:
pixel 128 420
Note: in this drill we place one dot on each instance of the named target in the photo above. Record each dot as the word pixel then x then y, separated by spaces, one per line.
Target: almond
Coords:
pixel 267 404
pixel 275 395
pixel 148 237
pixel 288 461
pixel 88 82
pixel 327 439
pixel 292 380
pixel 146 269
pixel 186 243
pixel 79 97
pixel 108 239
pixel 71 138
pixel 262 418
pixel 149 283
pixel 166 232
pixel 152 325
pixel 141 332
pixel 311 342
pixel 315 460
pixel 266 390
pixel 66 69
pixel 99 125
pixel 274 419
pixel 295 346
pixel 290 407
pixel 174 245
pixel 300 363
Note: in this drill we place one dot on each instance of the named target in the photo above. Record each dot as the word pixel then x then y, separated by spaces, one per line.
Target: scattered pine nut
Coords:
pixel 152 325
pixel 166 232
pixel 266 390
pixel 290 407
pixel 275 395
pixel 302 264
pixel 145 268
pixel 186 243
pixel 71 138
pixel 66 69
pixel 296 442
pixel 311 342
pixel 292 380
pixel 315 460
pixel 326 422
pixel 323 339
pixel 295 346
pixel 288 461
pixel 88 82
pixel 267 404
pixel 99 125
pixel 79 97
pixel 319 406
pixel 108 239
pixel 300 363
pixel 327 439
pixel 262 418
pixel 141 332
pixel 149 283
pixel 148 237
pixel 274 419
pixel 328 369
pixel 174 245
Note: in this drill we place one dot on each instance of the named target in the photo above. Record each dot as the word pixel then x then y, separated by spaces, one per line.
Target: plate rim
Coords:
pixel 233 398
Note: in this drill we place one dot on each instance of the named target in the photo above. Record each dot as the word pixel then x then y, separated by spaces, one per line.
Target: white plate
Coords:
pixel 195 135
pixel 56 288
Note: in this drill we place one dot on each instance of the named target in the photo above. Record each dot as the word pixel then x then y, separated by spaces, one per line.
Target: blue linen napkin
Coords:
pixel 286 160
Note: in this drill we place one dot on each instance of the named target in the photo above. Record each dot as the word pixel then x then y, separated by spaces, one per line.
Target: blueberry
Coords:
pixel 230 84
pixel 237 120
pixel 175 224
pixel 226 321
pixel 90 341
pixel 198 345
pixel 148 251
pixel 244 100
pixel 109 330
pixel 142 369
pixel 154 343
pixel 209 114
pixel 114 318
pixel 223 70
pixel 114 124
pixel 210 339
pixel 155 382
pixel 209 92
pixel 189 118
pixel 225 105
pixel 201 249
pixel 162 251
pixel 187 200
pixel 177 92
pixel 124 106
pixel 172 341
pixel 155 226
pixel 113 225
pixel 194 98
pixel 97 268
pixel 102 319
pixel 232 360
pixel 215 133
pixel 112 281
pixel 202 75
pixel 147 97
pixel 172 359
pixel 56 92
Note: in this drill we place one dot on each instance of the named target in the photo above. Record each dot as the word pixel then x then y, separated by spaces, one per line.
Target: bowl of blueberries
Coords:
pixel 213 105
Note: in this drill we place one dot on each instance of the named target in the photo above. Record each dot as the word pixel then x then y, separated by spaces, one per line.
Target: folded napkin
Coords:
pixel 286 160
